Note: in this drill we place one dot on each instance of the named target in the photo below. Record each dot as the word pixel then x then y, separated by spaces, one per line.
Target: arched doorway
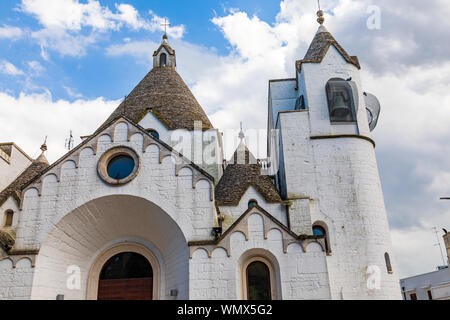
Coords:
pixel 126 276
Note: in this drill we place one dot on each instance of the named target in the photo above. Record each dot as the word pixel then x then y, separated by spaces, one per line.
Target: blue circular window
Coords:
pixel 120 167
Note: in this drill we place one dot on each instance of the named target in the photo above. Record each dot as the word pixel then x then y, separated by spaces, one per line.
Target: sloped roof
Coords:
pixel 319 47
pixel 166 46
pixel 243 172
pixel 16 187
pixel 164 93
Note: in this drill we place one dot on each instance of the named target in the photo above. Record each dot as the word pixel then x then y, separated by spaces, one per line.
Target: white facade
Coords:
pixel 72 219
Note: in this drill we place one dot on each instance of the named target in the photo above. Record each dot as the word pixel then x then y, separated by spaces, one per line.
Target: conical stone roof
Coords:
pixel 242 172
pixel 319 47
pixel 163 93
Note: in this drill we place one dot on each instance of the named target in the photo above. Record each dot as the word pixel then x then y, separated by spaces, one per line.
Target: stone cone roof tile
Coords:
pixel 239 175
pixel 164 93
pixel 319 47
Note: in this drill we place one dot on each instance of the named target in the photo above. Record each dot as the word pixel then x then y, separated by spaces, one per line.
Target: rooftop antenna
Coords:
pixel 69 142
pixel 439 244
pixel 165 25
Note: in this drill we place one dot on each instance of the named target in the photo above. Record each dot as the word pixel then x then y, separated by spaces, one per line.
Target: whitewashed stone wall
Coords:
pixel 298 274
pixel 341 178
pixel 15 282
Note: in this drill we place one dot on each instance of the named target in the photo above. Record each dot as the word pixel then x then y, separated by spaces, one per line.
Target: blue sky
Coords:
pixel 60 71
pixel 76 73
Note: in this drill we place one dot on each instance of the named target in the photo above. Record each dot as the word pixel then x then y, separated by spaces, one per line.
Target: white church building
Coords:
pixel 126 215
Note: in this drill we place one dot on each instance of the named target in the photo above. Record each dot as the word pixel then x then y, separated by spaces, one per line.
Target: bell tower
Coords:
pixel 165 56
pixel 328 174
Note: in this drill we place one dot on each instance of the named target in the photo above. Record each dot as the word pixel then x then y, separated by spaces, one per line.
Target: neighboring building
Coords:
pixel 429 286
pixel 124 215
pixel 13 161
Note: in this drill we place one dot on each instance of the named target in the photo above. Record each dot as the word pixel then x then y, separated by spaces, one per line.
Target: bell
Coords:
pixel 340 109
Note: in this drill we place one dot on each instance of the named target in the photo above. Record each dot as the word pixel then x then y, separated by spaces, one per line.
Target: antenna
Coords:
pixel 69 142
pixel 439 244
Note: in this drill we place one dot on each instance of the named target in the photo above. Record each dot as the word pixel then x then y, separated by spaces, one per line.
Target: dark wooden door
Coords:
pixel 126 289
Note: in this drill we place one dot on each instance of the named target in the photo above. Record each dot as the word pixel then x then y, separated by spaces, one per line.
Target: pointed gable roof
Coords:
pixel 164 93
pixel 319 47
pixel 166 46
pixel 242 172
pixel 16 187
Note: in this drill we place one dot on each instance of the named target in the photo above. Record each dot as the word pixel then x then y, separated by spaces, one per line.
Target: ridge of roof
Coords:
pixel 319 47
pixel 166 46
pixel 163 93
pixel 238 221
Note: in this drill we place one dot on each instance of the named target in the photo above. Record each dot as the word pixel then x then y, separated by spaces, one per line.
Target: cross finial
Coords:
pixel 165 25
pixel 320 17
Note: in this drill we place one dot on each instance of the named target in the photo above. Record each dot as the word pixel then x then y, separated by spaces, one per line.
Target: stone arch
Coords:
pixel 83 235
pixel 268 259
pixel 96 268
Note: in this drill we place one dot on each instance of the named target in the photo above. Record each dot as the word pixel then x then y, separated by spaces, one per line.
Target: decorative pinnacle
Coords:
pixel 241 134
pixel 320 17
pixel 44 145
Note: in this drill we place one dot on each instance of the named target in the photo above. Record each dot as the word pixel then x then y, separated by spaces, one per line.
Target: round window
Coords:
pixel 120 167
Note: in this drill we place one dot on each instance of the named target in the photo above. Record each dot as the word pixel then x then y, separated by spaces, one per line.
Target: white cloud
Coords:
pixel 69 27
pixel 8 32
pixel 10 69
pixel 31 117
pixel 35 67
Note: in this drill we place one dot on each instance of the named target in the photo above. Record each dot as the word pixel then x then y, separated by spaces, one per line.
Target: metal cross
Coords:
pixel 165 25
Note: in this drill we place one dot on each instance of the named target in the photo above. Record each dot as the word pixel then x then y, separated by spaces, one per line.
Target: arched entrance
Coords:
pixel 126 276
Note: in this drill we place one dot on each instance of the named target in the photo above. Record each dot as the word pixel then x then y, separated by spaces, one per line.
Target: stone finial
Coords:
pixel 44 145
pixel 241 134
pixel 320 17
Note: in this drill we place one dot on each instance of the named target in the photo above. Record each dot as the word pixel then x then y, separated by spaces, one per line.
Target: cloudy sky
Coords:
pixel 66 64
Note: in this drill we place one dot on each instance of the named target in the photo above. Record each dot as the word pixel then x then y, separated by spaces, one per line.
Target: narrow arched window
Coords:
pixel 341 101
pixel 320 231
pixel 252 203
pixel 154 133
pixel 388 262
pixel 9 217
pixel 162 60
pixel 258 281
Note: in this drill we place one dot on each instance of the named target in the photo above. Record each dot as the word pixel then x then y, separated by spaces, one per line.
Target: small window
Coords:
pixel 258 281
pixel 121 167
pixel 300 103
pixel 252 203
pixel 154 133
pixel 413 296
pixel 430 295
pixel 9 216
pixel 163 60
pixel 388 263
pixel 341 104
pixel 320 231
